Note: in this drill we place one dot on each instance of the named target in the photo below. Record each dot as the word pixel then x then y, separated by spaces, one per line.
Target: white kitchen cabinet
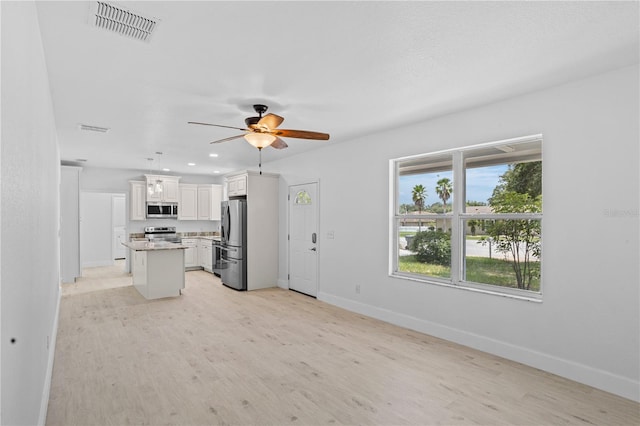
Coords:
pixel 236 185
pixel 157 273
pixel 188 204
pixel 137 200
pixel 139 270
pixel 170 192
pixel 191 252
pixel 205 254
pixel 209 198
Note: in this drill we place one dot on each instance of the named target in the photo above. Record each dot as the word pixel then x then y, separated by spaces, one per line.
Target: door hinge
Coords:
pixel 288 197
pixel 288 277
pixel 288 237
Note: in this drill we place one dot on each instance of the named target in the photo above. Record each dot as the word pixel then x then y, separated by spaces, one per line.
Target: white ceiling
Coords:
pixel 344 68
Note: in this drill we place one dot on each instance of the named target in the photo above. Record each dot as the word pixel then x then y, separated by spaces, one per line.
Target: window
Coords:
pixel 302 197
pixel 471 217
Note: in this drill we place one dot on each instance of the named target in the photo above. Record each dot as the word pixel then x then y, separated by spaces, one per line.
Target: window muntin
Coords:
pixel 495 210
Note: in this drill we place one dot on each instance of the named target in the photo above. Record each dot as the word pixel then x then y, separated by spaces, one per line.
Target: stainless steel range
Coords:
pixel 161 233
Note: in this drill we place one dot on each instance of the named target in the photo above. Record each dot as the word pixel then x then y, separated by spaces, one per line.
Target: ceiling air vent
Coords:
pixel 122 21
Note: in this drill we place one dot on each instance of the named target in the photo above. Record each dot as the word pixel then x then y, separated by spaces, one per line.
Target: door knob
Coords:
pixel 313 249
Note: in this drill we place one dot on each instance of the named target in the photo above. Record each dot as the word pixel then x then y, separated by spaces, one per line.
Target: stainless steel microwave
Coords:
pixel 162 210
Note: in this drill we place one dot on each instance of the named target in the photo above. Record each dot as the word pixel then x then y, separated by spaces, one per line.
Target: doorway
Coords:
pixel 102 228
pixel 303 238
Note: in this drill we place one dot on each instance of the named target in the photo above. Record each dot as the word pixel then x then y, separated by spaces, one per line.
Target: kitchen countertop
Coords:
pixel 149 246
pixel 203 237
pixel 135 237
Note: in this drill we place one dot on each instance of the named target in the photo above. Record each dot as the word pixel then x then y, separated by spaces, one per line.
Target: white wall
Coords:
pixel 30 173
pixel 588 326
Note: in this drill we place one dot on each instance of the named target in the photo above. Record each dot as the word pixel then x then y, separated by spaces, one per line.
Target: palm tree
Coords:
pixel 419 194
pixel 444 190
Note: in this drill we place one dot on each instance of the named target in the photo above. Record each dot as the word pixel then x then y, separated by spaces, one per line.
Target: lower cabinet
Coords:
pixel 158 273
pixel 191 252
pixel 139 268
pixel 205 252
pixel 199 253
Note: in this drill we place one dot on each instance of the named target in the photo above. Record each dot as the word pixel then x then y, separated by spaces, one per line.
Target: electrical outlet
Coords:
pixel 357 288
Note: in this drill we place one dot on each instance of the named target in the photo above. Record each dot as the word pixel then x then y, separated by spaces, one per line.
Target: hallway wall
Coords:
pixel 30 221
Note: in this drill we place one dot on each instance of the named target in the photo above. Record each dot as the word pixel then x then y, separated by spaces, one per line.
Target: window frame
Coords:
pixel 458 216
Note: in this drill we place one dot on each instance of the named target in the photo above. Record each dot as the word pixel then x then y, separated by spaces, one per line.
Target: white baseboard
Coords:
pixel 581 373
pixel 44 403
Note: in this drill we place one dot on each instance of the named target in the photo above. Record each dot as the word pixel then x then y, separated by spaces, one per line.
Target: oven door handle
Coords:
pixel 229 261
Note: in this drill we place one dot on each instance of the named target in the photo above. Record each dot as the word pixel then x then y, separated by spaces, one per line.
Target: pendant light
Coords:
pixel 150 185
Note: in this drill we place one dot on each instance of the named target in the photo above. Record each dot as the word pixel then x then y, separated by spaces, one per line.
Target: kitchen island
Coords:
pixel 157 268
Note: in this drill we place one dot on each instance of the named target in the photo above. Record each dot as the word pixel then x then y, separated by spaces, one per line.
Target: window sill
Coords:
pixel 477 288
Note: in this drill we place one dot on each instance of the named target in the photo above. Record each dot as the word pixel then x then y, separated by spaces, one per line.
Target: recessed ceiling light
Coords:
pixel 213 155
pixel 191 164
pixel 216 171
pixel 166 170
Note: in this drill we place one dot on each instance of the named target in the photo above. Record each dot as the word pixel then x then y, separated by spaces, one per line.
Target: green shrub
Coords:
pixel 432 247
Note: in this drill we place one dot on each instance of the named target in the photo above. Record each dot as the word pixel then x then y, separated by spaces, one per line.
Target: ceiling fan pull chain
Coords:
pixel 260 161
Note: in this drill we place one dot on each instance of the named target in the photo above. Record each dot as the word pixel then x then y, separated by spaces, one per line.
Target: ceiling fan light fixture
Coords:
pixel 260 140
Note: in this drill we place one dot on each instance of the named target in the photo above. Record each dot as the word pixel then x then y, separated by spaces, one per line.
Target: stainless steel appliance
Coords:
pixel 233 244
pixel 218 266
pixel 161 233
pixel 162 210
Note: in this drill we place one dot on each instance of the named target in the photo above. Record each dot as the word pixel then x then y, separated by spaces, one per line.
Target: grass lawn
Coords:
pixel 479 270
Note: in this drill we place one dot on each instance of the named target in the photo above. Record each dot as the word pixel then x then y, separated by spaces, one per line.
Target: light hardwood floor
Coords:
pixel 215 356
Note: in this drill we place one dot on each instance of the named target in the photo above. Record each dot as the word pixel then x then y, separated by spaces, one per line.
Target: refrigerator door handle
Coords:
pixel 228 223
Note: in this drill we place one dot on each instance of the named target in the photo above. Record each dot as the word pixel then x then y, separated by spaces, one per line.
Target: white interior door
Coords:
pixel 303 238
pixel 118 222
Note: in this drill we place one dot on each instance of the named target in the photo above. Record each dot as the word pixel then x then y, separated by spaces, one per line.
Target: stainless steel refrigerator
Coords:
pixel 233 244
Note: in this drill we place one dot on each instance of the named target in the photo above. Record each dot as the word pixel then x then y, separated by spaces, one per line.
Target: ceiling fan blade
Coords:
pixel 227 139
pixel 271 121
pixel 217 125
pixel 279 144
pixel 301 134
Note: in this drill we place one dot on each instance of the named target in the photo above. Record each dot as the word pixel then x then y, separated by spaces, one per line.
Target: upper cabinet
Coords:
pixel 137 200
pixel 165 188
pixel 199 202
pixel 195 202
pixel 188 204
pixel 209 198
pixel 236 185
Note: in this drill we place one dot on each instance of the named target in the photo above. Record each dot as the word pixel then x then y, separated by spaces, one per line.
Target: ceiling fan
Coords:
pixel 262 132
